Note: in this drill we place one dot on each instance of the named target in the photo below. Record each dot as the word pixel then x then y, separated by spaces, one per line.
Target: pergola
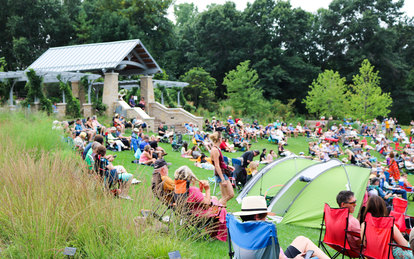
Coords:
pixel 129 57
pixel 48 77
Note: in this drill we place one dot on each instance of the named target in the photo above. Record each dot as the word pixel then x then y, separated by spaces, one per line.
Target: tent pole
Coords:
pixel 347 177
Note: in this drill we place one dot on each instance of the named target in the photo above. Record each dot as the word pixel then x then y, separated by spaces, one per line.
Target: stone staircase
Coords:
pixel 158 113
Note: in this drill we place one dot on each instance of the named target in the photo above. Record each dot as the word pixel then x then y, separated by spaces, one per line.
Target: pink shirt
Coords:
pixel 354 226
pixel 196 196
pixel 143 157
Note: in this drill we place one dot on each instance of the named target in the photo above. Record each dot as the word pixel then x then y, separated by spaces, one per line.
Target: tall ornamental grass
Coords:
pixel 49 201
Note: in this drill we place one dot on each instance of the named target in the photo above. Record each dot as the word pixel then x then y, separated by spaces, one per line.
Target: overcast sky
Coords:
pixel 308 5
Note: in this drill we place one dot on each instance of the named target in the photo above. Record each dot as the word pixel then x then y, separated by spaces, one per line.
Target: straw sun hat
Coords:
pixel 252 205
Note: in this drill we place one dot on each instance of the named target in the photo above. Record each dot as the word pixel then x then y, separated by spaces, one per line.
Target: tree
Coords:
pixel 327 95
pixel 35 92
pixel 244 96
pixel 366 98
pixel 72 105
pixel 201 87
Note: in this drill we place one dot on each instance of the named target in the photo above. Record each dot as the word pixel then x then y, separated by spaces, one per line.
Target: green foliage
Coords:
pixel 4 85
pixel 327 95
pixel 281 110
pixel 244 97
pixel 35 92
pixel 201 87
pixel 72 104
pixel 3 64
pixel 367 100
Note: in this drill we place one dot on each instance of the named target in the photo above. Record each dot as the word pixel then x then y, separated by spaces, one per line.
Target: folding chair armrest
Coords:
pixel 397 245
pixel 353 233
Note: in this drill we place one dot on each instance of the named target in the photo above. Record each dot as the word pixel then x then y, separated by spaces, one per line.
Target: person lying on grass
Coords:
pixel 254 208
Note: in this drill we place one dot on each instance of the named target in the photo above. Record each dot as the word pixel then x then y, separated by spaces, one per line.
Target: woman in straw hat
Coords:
pixel 254 208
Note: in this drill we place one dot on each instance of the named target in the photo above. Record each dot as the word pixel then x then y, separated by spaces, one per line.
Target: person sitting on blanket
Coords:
pixel 254 208
pixel 196 195
pixel 204 163
pixel 146 157
pixel 185 152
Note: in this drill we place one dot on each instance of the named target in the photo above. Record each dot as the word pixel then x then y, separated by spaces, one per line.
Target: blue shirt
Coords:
pixel 142 145
pixel 78 127
pixel 86 150
pixel 231 121
pixel 198 137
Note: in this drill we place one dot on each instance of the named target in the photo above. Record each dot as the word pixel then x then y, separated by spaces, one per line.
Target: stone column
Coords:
pixel 110 92
pixel 88 110
pixel 61 110
pixel 35 107
pixel 147 89
pixel 75 89
pixel 81 94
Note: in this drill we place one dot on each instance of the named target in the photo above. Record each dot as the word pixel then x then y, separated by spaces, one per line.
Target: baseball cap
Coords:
pixel 159 163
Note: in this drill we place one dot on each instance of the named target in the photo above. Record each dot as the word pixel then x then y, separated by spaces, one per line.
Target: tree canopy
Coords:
pixel 288 47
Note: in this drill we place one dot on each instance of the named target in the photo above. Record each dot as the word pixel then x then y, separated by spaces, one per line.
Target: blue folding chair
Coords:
pixel 253 239
pixel 134 144
pixel 226 160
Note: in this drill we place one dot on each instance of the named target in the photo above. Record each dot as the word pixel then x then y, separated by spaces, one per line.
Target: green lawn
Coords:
pixel 217 249
pixel 49 200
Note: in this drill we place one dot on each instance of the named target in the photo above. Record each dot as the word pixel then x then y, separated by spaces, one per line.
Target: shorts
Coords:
pixel 125 177
pixel 218 179
pixel 292 252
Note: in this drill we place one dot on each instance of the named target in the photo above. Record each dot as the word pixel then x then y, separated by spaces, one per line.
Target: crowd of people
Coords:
pixel 387 181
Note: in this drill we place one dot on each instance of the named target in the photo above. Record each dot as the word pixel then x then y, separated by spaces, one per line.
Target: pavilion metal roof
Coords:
pixel 129 57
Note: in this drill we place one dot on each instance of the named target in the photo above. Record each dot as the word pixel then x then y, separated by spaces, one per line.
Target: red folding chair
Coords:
pixel 377 237
pixel 399 205
pixel 336 232
pixel 397 146
pixel 399 220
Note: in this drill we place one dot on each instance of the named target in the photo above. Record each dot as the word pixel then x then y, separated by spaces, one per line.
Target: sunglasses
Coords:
pixel 352 202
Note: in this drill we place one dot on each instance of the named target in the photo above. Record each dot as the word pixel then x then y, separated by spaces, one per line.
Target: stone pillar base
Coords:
pixel 61 110
pixel 88 110
pixel 35 107
pixel 12 107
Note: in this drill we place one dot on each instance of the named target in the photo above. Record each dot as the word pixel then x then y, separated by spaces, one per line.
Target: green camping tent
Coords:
pixel 301 187
pixel 272 177
pixel 305 204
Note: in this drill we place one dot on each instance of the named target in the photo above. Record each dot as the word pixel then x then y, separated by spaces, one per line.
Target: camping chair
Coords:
pixel 191 215
pixel 402 221
pixel 377 237
pixel 177 142
pixel 254 239
pixel 237 164
pixel 108 178
pixel 165 198
pixel 336 235
pixel 397 146
pixel 399 205
pixel 134 144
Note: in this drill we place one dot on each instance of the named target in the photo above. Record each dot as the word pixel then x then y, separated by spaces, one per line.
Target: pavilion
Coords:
pixel 111 59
